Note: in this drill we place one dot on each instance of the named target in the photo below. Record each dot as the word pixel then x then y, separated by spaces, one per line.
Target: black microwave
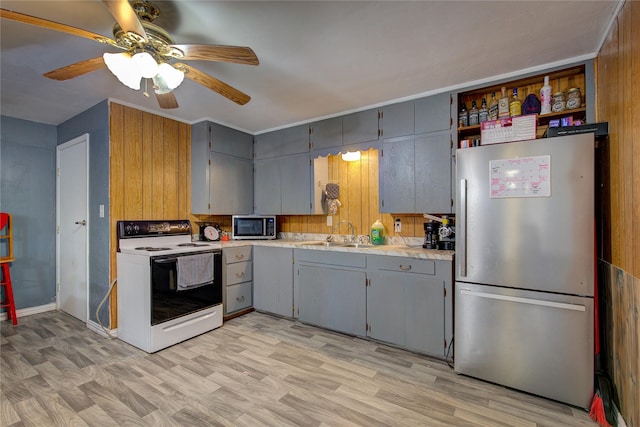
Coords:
pixel 253 227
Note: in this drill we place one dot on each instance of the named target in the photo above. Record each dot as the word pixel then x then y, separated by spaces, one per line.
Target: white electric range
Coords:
pixel 169 288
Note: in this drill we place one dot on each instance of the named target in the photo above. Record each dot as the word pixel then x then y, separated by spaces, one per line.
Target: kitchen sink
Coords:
pixel 323 244
pixel 356 245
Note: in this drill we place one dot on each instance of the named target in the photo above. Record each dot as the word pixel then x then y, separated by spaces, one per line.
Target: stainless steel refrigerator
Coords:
pixel 525 266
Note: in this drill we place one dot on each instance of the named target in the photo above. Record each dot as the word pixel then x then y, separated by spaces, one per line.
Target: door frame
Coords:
pixel 82 139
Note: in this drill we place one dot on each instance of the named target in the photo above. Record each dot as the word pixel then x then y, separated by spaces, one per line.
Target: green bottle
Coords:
pixel 377 233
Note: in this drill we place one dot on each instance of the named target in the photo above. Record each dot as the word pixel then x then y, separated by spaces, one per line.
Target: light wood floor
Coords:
pixel 255 370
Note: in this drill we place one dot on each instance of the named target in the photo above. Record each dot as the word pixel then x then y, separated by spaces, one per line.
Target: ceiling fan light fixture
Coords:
pixel 121 65
pixel 172 76
pixel 146 65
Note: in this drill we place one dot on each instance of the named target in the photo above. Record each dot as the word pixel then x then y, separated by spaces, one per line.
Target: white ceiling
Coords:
pixel 317 58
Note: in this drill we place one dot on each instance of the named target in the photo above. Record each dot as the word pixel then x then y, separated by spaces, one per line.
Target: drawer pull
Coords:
pixel 240 298
pixel 239 256
pixel 240 274
pixel 405 267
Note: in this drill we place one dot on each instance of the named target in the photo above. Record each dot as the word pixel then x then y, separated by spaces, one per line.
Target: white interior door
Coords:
pixel 72 221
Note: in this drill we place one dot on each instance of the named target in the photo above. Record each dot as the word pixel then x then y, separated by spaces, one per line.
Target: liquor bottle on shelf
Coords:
pixel 473 114
pixel 463 116
pixel 493 107
pixel 515 106
pixel 483 115
pixel 503 104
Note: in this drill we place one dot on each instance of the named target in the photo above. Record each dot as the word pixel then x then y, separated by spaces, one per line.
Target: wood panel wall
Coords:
pixel 617 97
pixel 359 197
pixel 150 172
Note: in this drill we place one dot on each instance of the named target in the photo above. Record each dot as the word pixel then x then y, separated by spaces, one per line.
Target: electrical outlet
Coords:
pixel 397 226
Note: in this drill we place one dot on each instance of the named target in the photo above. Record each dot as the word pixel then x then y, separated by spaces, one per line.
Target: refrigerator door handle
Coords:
pixel 461 253
pixel 574 307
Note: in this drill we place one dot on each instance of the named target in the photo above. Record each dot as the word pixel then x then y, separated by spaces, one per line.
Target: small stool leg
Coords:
pixel 8 302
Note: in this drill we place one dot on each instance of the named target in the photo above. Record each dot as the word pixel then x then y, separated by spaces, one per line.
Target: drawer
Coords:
pixel 402 264
pixel 333 258
pixel 237 254
pixel 238 297
pixel 239 272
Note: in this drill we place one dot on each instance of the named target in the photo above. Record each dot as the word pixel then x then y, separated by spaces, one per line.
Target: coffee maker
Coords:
pixel 431 235
pixel 439 234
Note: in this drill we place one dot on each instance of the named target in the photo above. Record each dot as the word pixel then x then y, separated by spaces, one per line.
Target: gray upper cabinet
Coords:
pixel 415 174
pixel 397 176
pixel 433 173
pixel 360 127
pixel 229 141
pixel 293 140
pixel 283 185
pixel 326 133
pixel 397 119
pixel 221 170
pixel 433 113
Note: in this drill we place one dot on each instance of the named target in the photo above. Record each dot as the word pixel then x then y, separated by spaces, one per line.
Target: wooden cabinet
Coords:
pixel 221 170
pixel 561 80
pixel 237 278
pixel 273 281
pixel 332 290
pixel 293 140
pixel 415 174
pixel 408 301
pixel 283 185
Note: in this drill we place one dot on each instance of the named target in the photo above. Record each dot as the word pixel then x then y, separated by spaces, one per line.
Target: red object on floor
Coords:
pixel 8 301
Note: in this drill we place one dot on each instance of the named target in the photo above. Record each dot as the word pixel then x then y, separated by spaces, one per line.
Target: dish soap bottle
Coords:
pixel 377 233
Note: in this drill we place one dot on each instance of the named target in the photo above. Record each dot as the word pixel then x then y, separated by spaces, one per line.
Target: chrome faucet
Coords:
pixel 351 227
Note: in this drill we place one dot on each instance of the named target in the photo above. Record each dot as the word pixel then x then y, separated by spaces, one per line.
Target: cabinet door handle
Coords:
pixel 240 298
pixel 239 256
pixel 405 267
pixel 240 274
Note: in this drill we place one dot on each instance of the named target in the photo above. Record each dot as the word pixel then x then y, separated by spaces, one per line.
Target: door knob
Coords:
pixel 83 222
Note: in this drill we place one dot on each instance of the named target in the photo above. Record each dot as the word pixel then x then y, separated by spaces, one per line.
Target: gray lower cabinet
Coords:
pixel 283 185
pixel 408 301
pixel 273 280
pixel 237 279
pixel 331 290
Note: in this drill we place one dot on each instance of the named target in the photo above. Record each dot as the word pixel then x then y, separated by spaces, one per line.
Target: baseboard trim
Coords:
pixel 29 311
pixel 107 333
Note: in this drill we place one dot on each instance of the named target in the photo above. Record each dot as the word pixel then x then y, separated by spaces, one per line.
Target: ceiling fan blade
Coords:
pixel 214 84
pixel 77 69
pixel 237 54
pixel 167 100
pixel 51 25
pixel 125 16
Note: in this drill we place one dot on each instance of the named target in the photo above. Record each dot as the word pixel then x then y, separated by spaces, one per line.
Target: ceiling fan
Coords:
pixel 147 52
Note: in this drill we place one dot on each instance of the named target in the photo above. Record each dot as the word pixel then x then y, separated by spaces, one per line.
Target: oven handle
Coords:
pixel 165 260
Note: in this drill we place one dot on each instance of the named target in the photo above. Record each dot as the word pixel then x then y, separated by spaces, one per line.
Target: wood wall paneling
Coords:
pixel 617 94
pixel 150 172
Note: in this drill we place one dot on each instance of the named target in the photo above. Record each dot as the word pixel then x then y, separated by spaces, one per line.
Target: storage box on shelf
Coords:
pixel 561 81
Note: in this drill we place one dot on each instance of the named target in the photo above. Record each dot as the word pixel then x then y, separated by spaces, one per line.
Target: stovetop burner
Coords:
pixel 151 249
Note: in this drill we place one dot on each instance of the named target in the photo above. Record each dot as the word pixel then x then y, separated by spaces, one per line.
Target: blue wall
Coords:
pixel 28 192
pixel 95 122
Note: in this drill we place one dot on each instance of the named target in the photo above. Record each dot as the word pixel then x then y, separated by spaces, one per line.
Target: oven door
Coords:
pixel 169 301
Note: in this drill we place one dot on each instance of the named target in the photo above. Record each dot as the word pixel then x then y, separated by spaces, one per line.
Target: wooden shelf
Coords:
pixel 543 120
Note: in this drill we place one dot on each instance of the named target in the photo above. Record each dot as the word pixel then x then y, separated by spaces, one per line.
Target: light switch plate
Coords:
pixel 329 220
pixel 397 226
